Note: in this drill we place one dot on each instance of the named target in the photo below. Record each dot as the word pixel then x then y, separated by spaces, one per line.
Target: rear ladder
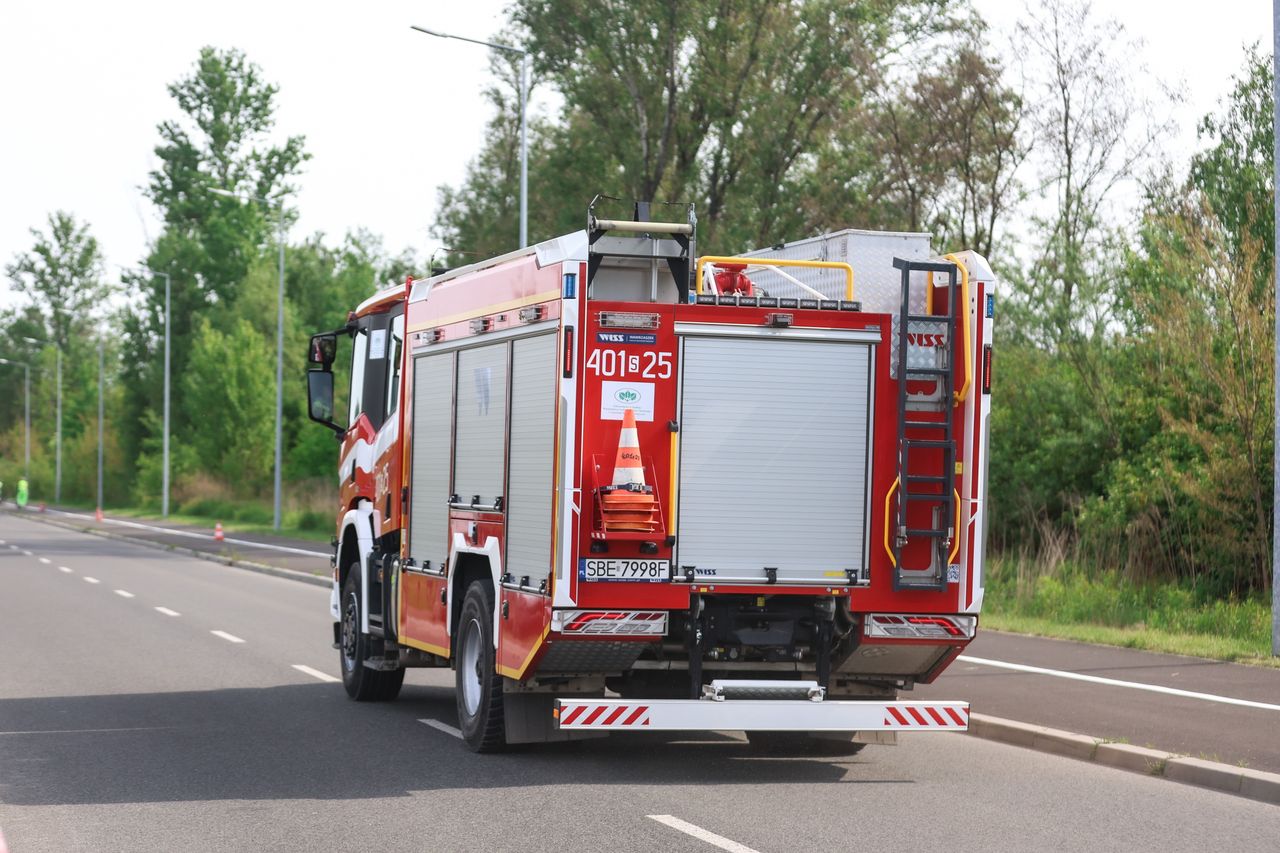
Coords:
pixel 919 436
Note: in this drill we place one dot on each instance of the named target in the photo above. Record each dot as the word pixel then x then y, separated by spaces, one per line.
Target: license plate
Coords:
pixel 643 571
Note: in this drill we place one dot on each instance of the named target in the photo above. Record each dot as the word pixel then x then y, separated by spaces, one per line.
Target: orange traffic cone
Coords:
pixel 217 532
pixel 628 504
pixel 97 515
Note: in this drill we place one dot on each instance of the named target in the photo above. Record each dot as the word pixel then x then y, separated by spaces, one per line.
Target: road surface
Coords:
pixel 150 701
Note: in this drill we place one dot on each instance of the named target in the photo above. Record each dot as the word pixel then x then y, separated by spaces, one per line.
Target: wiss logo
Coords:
pixel 611 338
pixel 926 340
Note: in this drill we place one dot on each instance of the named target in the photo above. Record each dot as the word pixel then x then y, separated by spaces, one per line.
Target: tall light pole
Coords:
pixel 279 340
pixel 100 408
pixel 164 464
pixel 524 136
pixel 57 427
pixel 26 384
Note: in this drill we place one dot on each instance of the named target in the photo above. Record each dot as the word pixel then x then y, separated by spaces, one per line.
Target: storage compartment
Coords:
pixel 774 464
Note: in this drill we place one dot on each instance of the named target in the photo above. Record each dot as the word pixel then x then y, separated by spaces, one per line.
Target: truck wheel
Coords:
pixel 362 683
pixel 800 744
pixel 479 687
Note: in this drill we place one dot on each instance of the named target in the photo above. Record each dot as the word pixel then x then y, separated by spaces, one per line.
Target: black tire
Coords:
pixel 479 687
pixel 800 744
pixel 361 683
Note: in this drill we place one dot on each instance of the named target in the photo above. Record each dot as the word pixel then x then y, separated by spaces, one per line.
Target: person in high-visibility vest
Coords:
pixel 22 492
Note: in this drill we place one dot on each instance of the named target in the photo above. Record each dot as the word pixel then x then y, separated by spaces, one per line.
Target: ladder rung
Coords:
pixel 922 496
pixel 925 478
pixel 920 442
pixel 928 424
pixel 928 371
pixel 932 534
pixel 929 318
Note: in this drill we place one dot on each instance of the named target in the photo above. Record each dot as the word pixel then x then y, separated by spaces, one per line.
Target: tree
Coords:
pixel 228 391
pixel 62 277
pixel 209 243
pixel 715 102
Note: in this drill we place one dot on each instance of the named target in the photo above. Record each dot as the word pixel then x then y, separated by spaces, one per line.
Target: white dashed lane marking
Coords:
pixel 45 560
pixel 701 834
pixel 124 593
pixel 88 579
pixel 167 612
pixel 443 727
pixel 230 638
pixel 64 569
pixel 314 673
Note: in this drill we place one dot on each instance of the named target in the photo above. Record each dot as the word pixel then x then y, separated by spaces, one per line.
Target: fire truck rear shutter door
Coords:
pixel 773 458
pixel 532 463
pixel 432 440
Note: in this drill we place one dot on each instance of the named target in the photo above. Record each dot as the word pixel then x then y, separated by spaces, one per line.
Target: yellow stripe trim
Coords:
pixel 518 674
pixel 489 309
pixel 675 487
pixel 426 647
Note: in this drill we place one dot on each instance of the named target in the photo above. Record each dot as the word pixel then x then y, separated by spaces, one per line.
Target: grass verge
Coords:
pixel 1095 606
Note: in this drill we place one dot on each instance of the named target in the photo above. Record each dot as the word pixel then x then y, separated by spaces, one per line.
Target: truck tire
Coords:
pixel 479 687
pixel 800 744
pixel 361 683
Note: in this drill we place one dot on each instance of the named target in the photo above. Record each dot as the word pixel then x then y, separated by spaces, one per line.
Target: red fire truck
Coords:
pixel 616 486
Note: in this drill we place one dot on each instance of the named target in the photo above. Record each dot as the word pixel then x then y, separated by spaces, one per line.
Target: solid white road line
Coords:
pixel 64 569
pixel 124 593
pixel 45 560
pixel 314 673
pixel 88 579
pixel 443 727
pixel 191 535
pixel 701 834
pixel 167 612
pixel 230 638
pixel 1112 682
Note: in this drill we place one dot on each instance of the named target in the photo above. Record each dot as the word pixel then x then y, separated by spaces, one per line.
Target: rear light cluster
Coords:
pixel 780 302
pixel 920 627
pixel 632 623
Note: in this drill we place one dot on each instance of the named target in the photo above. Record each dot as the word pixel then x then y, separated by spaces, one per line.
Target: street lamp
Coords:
pixel 26 384
pixel 279 338
pixel 524 138
pixel 164 465
pixel 57 440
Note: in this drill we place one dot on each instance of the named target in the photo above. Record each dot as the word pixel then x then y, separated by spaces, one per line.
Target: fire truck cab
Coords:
pixel 618 486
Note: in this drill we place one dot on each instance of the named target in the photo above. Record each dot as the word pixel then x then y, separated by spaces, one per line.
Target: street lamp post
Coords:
pixel 57 426
pixel 100 409
pixel 26 385
pixel 524 136
pixel 279 341
pixel 164 464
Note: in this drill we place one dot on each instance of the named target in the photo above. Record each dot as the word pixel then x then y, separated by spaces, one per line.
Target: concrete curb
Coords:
pixel 1242 781
pixel 235 562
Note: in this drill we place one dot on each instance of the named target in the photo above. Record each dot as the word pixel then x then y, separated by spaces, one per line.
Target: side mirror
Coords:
pixel 323 350
pixel 320 398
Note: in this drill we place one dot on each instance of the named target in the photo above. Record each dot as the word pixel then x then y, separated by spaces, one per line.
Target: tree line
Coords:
pixel 1133 369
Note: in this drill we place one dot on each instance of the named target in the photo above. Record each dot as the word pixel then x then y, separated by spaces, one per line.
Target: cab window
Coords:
pixel 359 350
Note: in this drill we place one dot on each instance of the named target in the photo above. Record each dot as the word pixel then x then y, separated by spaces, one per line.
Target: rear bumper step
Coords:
pixel 783 715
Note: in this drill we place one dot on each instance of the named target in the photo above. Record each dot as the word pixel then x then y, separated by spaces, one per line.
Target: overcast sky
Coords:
pixel 389 114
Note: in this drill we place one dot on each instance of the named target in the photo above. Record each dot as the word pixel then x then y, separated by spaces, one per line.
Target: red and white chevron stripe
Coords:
pixel 926 717
pixel 594 715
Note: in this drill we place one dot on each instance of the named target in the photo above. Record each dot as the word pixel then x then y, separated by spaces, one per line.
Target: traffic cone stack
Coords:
pixel 629 504
pixel 217 532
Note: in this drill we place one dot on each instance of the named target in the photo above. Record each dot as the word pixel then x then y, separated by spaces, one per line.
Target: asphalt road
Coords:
pixel 1200 727
pixel 128 727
